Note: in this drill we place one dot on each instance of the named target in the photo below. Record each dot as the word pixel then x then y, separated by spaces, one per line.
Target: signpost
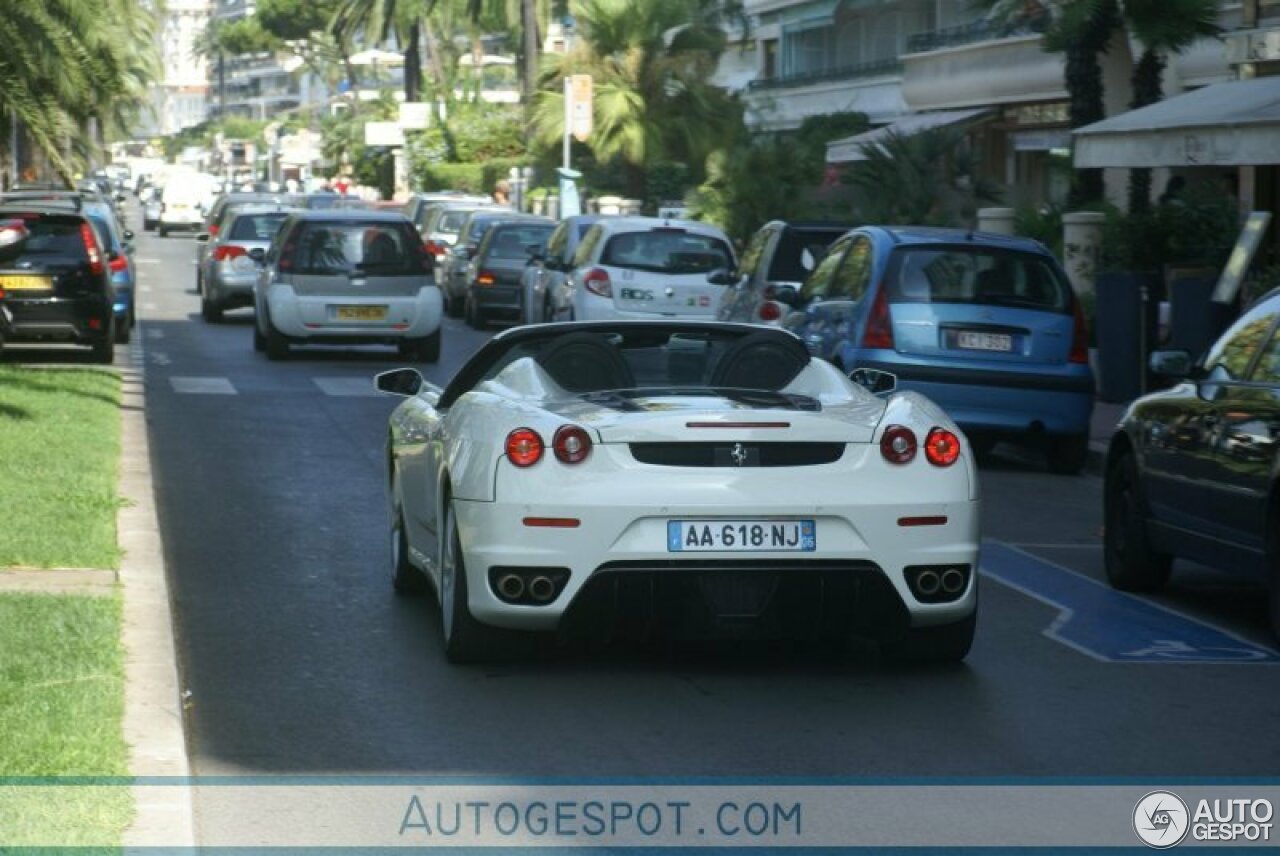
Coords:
pixel 579 120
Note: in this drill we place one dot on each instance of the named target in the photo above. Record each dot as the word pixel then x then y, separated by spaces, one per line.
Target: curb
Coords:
pixel 154 726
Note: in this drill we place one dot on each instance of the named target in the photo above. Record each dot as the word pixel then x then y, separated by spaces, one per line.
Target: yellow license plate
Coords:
pixel 362 313
pixel 26 283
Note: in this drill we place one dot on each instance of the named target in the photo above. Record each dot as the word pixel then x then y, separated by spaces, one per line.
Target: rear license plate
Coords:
pixel 26 283
pixel 974 341
pixel 739 536
pixel 361 313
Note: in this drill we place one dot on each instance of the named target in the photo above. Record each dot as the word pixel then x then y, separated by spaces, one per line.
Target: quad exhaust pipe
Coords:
pixel 928 583
pixel 952 581
pixel 511 586
pixel 542 589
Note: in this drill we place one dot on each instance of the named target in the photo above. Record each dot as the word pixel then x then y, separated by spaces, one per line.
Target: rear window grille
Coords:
pixel 737 454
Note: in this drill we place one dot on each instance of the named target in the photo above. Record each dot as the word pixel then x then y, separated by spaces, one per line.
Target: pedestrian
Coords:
pixel 502 192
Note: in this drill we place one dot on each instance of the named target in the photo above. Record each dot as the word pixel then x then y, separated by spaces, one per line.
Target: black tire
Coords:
pixel 199 282
pixel 1067 453
pixel 452 306
pixel 406 579
pixel 942 644
pixel 104 349
pixel 148 225
pixel 465 639
pixel 1130 561
pixel 277 343
pixel 475 318
pixel 426 349
pixel 259 340
pixel 124 329
pixel 210 311
pixel 164 233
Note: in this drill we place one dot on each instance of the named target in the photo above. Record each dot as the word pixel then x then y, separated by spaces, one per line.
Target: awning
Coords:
pixel 1228 124
pixel 849 149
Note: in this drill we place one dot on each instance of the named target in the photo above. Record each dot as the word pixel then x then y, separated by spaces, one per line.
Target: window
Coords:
pixel 1229 357
pixel 751 255
pixel 769 69
pixel 798 252
pixel 339 247
pixel 938 274
pixel 256 227
pixel 854 273
pixel 818 283
pixel 513 242
pixel 558 243
pixel 669 251
pixel 588 246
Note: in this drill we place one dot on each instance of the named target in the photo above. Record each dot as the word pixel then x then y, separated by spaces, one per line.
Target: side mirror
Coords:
pixel 258 255
pixel 786 294
pixel 203 238
pixel 403 382
pixel 874 381
pixel 469 251
pixel 535 252
pixel 722 276
pixel 128 235
pixel 1172 364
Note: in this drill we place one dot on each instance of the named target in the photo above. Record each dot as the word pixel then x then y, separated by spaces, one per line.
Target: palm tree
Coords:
pixel 1162 27
pixel 650 63
pixel 377 20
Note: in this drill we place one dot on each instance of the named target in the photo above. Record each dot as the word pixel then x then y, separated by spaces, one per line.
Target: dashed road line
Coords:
pixel 202 385
pixel 345 386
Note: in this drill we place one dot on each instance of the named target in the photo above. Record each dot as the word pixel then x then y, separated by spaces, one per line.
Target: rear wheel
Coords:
pixel 277 344
pixel 164 233
pixel 1068 453
pixel 465 639
pixel 945 643
pixel 426 349
pixel 475 318
pixel 123 330
pixel 210 311
pixel 259 340
pixel 1131 563
pixel 104 349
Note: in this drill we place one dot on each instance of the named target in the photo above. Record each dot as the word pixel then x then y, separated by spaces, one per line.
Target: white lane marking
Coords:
pixel 202 385
pixel 160 358
pixel 150 307
pixel 139 261
pixel 146 289
pixel 155 334
pixel 345 386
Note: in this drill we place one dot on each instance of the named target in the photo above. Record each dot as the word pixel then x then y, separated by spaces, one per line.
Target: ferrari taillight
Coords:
pixel 524 447
pixel 941 447
pixel 572 444
pixel 898 444
pixel 769 311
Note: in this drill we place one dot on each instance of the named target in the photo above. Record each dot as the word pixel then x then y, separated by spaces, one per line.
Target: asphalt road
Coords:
pixel 300 659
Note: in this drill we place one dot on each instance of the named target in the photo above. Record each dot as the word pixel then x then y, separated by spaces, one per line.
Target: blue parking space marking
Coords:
pixel 1113 626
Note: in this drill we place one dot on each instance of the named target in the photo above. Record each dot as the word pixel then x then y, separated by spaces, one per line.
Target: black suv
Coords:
pixel 54 281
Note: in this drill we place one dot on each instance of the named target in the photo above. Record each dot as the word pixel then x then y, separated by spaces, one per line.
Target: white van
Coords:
pixel 185 199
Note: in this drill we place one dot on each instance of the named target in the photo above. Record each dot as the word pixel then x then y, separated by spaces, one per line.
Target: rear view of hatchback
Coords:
pixel 987 326
pixel 649 268
pixel 54 281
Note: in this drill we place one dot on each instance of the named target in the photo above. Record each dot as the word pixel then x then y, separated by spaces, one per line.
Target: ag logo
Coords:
pixel 1161 820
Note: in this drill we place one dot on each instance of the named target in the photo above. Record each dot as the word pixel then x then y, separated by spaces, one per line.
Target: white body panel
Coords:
pixel 301 317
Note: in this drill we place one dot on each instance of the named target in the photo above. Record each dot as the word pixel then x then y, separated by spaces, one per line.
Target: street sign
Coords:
pixel 580 109
pixel 383 134
pixel 415 115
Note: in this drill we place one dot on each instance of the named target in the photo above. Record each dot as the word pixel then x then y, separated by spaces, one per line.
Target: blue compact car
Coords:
pixel 985 325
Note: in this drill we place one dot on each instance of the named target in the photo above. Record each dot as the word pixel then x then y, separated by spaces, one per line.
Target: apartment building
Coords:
pixel 181 98
pixel 255 86
pixel 923 62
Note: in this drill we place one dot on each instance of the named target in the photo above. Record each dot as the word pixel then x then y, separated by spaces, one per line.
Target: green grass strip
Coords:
pixel 61 705
pixel 59 467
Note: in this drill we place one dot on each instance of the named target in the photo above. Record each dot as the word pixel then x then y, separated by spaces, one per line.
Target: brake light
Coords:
pixel 90 242
pixel 485 277
pixel 435 249
pixel 769 312
pixel 213 231
pixel 898 444
pixel 227 252
pixel 524 447
pixel 572 444
pixel 879 332
pixel 941 447
pixel 119 264
pixel 596 281
pixel 1079 338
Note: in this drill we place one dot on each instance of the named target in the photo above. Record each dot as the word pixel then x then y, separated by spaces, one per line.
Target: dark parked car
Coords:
pixel 54 278
pixel 493 287
pixel 987 326
pixel 779 254
pixel 451 268
pixel 1194 471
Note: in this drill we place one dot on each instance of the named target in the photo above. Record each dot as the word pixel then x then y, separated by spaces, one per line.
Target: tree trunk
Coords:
pixel 413 66
pixel 529 21
pixel 1147 89
pixel 1085 88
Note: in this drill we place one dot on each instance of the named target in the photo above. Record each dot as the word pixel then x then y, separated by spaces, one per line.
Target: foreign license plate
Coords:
pixel 361 313
pixel 26 283
pixel 975 341
pixel 739 536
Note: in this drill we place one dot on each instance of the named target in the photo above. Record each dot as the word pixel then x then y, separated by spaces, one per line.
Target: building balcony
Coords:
pixel 980 71
pixel 985 30
pixel 782 103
